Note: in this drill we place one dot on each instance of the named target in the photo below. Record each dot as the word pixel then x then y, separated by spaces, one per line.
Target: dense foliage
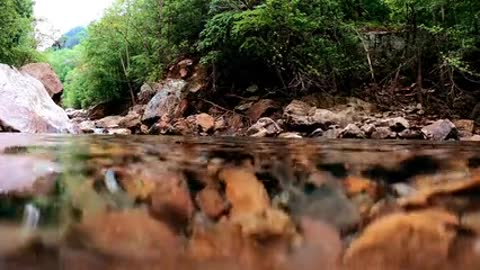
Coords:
pixel 279 45
pixel 17 44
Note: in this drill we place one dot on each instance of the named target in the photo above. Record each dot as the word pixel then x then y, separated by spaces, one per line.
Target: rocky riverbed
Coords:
pixel 265 118
pixel 180 105
pixel 161 202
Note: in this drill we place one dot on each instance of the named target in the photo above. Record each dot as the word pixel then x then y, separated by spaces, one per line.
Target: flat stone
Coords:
pixel 290 135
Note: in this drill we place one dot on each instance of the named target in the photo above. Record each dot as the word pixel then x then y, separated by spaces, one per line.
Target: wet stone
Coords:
pixel 126 235
pixel 329 204
pixel 211 203
pixel 171 200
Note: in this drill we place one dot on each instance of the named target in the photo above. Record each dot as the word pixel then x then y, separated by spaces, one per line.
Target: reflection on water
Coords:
pixel 100 202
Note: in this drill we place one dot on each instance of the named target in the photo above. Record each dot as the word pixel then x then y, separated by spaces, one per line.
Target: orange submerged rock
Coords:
pixel 356 185
pixel 171 200
pixel 418 240
pixel 211 202
pixel 128 234
pixel 243 190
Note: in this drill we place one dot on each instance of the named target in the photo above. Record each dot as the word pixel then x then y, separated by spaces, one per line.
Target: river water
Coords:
pixel 99 202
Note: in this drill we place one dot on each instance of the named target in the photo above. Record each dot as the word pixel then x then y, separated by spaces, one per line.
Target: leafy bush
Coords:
pixel 298 40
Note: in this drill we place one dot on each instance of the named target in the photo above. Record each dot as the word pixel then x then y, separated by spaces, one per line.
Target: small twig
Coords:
pixel 237 96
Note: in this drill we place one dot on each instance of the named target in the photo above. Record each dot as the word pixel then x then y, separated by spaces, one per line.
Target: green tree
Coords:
pixel 301 42
pixel 17 44
pixel 133 42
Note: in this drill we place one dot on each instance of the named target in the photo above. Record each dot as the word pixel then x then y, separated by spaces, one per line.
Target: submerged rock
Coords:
pixel 418 240
pixel 171 201
pixel 27 106
pixel 21 174
pixel 128 235
pixel 211 202
pixel 327 202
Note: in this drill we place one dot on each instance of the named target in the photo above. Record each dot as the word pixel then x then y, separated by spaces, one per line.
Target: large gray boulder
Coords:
pixel 45 74
pixel 167 101
pixel 26 106
pixel 439 130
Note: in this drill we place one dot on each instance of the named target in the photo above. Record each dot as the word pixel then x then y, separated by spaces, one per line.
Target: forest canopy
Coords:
pixel 284 46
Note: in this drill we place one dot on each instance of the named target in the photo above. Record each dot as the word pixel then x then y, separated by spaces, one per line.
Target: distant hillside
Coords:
pixel 71 38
